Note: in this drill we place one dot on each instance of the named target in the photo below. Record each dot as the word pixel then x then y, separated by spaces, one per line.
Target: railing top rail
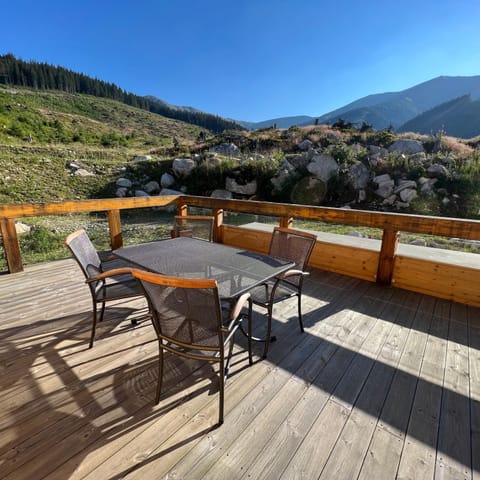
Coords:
pixel 443 226
pixel 449 227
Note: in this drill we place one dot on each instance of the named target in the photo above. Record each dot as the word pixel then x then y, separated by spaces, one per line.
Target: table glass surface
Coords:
pixel 236 270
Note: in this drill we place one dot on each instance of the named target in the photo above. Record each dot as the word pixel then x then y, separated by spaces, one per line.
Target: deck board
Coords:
pixel 384 383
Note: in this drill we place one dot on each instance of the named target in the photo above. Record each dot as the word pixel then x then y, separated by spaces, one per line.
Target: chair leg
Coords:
pixel 269 330
pixel 300 319
pixel 94 325
pixel 249 336
pixel 102 312
pixel 221 381
pixel 160 375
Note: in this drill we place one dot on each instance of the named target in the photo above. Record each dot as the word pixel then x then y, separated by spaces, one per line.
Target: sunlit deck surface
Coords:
pixel 383 384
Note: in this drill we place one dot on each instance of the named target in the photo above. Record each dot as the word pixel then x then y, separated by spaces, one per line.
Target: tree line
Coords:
pixel 42 76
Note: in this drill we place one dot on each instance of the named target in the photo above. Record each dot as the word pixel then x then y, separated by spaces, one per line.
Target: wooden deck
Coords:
pixel 383 384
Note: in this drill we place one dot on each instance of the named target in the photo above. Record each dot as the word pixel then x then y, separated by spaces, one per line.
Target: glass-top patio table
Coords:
pixel 236 270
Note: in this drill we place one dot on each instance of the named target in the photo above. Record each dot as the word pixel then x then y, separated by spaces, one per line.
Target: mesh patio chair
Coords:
pixel 188 320
pixel 196 226
pixel 108 286
pixel 295 246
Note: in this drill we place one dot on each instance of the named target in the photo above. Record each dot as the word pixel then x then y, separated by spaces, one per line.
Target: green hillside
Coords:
pixel 42 76
pixel 42 116
pixel 41 132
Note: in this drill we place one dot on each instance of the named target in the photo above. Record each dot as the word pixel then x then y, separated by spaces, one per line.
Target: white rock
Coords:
pixel 406 146
pixel 183 166
pixel 21 228
pixel 142 158
pixel 323 167
pixel 81 172
pixel 408 195
pixel 358 175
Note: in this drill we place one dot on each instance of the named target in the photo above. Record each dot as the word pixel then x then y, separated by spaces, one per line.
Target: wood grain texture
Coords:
pixel 383 383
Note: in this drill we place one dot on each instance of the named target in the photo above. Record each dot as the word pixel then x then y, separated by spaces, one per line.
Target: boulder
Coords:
pixel 404 184
pixel 141 193
pixel 389 201
pixel 408 195
pixel 406 147
pixel 278 181
pixel 323 167
pixel 358 175
pixel 142 158
pixel 152 187
pixel 299 161
pixel 223 194
pixel 183 166
pixel 225 149
pixel 309 190
pixel 167 180
pixel 249 188
pixel 305 144
pixel 426 185
pixel 385 189
pixel 123 182
pixel 121 192
pixel 379 179
pixel 437 170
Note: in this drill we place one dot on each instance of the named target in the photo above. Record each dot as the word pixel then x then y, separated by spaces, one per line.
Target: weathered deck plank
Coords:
pixel 383 384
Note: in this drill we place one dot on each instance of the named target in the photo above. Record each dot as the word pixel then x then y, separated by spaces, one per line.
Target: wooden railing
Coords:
pixel 390 223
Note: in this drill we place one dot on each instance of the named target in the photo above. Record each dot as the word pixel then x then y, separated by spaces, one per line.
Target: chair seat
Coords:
pixel 261 295
pixel 124 287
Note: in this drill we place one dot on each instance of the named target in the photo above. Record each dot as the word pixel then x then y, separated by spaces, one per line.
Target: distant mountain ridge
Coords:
pixel 397 109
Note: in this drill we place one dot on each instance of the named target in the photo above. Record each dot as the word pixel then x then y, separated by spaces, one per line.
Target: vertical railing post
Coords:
pixel 11 246
pixel 386 258
pixel 217 225
pixel 182 209
pixel 286 222
pixel 115 225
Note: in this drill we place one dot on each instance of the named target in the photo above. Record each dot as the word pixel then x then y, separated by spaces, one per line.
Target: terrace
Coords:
pixel 384 383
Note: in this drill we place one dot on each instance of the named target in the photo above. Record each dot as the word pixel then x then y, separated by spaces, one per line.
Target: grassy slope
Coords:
pixel 42 131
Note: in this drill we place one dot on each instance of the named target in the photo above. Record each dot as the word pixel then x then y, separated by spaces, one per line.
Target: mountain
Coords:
pixel 395 109
pixel 458 118
pixel 282 122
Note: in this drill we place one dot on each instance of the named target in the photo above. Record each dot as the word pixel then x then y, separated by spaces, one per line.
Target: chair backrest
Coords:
pixel 196 226
pixel 293 245
pixel 85 254
pixel 185 313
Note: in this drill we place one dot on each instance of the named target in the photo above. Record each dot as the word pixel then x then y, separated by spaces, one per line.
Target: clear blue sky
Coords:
pixel 250 59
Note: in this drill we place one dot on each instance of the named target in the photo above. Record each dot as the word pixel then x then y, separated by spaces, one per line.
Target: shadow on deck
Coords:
pixel 384 383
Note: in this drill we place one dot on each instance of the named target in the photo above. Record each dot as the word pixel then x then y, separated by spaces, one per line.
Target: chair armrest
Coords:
pixel 235 312
pixel 110 273
pixel 291 273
